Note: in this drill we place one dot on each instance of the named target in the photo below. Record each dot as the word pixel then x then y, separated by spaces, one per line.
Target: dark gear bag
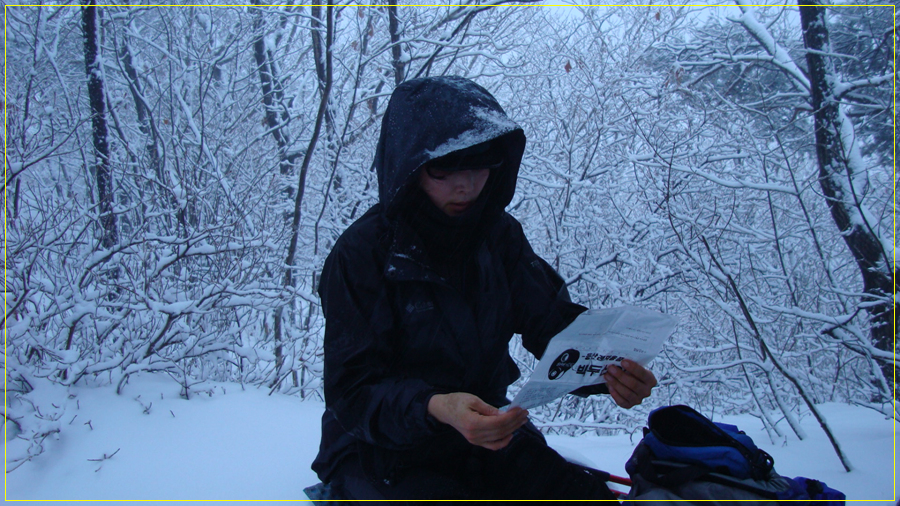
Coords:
pixel 685 456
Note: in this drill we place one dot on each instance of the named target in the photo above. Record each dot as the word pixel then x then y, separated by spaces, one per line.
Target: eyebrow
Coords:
pixel 428 170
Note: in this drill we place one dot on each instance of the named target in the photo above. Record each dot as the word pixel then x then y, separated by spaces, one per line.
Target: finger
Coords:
pixel 502 425
pixel 619 379
pixel 519 419
pixel 495 433
pixel 640 372
pixel 517 409
pixel 482 408
pixel 621 392
pixel 632 382
pixel 494 428
pixel 617 395
pixel 497 445
pixel 516 417
pixel 510 416
pixel 642 382
pixel 626 399
pixel 620 401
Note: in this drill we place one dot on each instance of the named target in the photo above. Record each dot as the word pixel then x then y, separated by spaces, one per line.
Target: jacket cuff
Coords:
pixel 430 423
pixel 590 390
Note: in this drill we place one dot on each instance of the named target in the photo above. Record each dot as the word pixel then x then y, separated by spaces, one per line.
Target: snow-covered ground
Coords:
pixel 234 443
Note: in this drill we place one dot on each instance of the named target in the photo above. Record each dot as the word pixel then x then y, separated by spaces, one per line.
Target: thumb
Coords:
pixel 483 408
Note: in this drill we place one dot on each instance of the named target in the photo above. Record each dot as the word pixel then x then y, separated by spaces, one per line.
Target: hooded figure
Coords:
pixel 421 296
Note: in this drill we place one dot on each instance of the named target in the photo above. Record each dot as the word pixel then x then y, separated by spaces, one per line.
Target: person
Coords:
pixel 421 297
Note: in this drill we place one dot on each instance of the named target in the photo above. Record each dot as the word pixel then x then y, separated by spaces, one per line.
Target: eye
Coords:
pixel 437 175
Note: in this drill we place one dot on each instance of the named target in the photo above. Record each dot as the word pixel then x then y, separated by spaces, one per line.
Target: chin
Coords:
pixel 456 210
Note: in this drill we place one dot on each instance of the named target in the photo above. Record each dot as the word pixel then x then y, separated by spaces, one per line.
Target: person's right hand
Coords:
pixel 480 423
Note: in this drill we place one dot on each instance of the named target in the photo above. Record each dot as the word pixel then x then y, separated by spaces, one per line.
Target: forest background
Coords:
pixel 175 177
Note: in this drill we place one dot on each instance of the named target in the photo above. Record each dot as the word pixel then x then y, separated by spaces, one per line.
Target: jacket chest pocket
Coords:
pixel 419 308
pixel 418 314
pixel 416 306
pixel 428 330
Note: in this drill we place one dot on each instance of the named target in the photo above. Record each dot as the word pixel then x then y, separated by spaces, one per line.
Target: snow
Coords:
pixel 491 124
pixel 780 56
pixel 234 442
pixel 221 444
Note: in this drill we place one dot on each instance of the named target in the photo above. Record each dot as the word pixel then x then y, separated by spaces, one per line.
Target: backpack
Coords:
pixel 685 456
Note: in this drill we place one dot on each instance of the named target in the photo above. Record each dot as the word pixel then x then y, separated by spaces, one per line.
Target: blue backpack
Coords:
pixel 685 456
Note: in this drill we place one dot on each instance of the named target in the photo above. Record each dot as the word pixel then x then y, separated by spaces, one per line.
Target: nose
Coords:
pixel 464 180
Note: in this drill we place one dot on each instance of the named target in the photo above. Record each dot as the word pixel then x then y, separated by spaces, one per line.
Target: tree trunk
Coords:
pixel 317 43
pixel 101 170
pixel 277 118
pixel 396 50
pixel 145 125
pixel 840 172
pixel 277 115
pixel 319 55
pixel 304 168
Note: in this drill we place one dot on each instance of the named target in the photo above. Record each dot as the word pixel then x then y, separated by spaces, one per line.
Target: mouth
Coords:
pixel 459 206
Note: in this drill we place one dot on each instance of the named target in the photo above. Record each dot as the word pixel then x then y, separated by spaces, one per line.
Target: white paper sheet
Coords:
pixel 579 355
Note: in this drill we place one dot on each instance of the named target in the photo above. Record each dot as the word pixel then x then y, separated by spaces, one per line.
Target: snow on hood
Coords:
pixel 431 117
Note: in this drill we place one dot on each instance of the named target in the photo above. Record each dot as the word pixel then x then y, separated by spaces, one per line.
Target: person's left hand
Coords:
pixel 629 384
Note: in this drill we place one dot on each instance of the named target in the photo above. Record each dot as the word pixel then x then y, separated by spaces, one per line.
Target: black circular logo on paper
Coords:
pixel 563 363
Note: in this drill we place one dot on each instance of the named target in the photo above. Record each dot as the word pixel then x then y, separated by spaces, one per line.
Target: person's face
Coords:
pixel 453 192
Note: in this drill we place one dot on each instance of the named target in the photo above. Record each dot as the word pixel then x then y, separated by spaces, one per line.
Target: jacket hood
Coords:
pixel 431 117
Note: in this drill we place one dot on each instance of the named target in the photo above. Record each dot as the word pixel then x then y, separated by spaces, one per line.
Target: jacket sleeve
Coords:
pixel 541 303
pixel 368 401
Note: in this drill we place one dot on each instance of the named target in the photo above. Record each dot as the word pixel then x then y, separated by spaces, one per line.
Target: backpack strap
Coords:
pixel 669 474
pixel 673 475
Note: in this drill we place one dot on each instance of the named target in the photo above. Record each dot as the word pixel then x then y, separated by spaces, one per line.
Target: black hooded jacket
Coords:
pixel 417 303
